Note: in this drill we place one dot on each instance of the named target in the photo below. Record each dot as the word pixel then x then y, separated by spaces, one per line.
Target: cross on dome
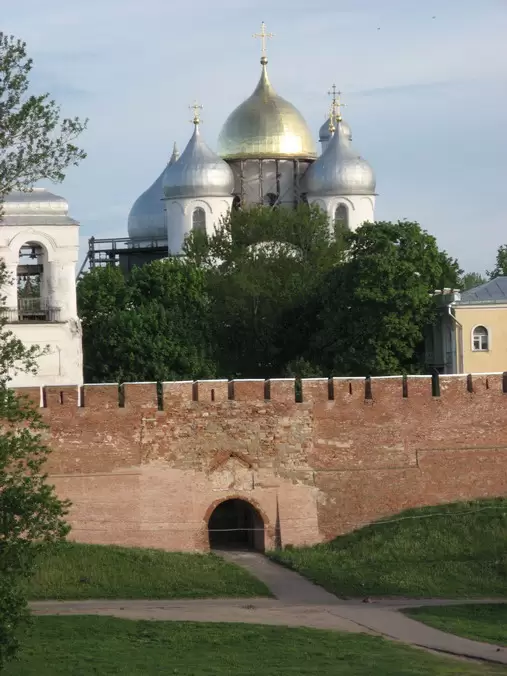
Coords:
pixel 196 107
pixel 336 103
pixel 336 106
pixel 264 37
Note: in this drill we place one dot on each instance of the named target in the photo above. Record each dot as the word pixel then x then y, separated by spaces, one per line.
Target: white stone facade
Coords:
pixel 39 220
pixel 360 208
pixel 186 214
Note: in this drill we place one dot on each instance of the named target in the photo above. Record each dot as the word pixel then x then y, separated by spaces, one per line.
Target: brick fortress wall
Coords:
pixel 146 465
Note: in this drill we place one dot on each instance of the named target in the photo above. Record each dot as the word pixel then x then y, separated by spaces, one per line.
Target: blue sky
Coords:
pixel 427 97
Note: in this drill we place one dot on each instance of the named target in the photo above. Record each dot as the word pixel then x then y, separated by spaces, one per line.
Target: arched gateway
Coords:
pixel 236 524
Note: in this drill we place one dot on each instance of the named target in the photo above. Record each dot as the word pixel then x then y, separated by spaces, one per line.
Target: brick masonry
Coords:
pixel 145 466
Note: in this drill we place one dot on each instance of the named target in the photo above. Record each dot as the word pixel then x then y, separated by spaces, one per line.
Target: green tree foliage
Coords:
pixel 30 513
pixel 369 313
pixel 500 269
pixel 272 293
pixel 260 264
pixel 470 280
pixel 35 142
pixel 151 326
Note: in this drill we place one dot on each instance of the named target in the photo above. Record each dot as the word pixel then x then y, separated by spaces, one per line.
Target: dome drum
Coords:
pixel 255 180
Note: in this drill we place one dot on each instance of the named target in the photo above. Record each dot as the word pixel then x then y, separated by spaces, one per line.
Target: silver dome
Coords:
pixel 325 134
pixel 147 217
pixel 199 172
pixel 339 170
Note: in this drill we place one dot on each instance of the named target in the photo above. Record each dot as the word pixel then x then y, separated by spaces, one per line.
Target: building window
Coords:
pixel 341 218
pixel 199 219
pixel 480 339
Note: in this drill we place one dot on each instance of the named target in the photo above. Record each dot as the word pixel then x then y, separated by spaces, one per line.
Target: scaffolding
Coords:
pixel 122 252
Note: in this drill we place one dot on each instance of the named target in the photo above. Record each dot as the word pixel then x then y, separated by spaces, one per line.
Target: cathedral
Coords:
pixel 266 154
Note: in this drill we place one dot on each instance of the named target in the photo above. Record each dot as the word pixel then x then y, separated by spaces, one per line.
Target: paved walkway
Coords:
pixel 298 603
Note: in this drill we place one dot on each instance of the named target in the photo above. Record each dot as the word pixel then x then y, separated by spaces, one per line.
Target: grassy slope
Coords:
pixel 69 646
pixel 77 571
pixel 479 622
pixel 441 552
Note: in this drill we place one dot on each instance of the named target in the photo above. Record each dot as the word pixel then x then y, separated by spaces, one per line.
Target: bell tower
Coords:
pixel 39 244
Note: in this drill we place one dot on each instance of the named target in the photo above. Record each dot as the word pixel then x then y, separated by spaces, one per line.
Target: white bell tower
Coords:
pixel 39 244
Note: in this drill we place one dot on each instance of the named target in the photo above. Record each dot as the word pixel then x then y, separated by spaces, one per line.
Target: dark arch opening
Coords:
pixel 236 524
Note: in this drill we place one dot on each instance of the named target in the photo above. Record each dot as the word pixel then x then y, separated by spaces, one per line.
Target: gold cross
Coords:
pixel 263 36
pixel 196 108
pixel 336 104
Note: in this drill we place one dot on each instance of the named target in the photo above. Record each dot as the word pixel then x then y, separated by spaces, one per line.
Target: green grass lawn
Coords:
pixel 78 646
pixel 77 571
pixel 479 622
pixel 455 550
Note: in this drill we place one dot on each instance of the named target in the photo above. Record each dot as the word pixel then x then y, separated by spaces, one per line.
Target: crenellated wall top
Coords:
pixel 364 391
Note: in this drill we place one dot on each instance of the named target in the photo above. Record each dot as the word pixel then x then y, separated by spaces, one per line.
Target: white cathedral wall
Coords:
pixel 361 208
pixel 63 363
pixel 179 215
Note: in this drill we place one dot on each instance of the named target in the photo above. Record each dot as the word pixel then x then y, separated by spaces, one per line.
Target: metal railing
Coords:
pixel 125 243
pixel 31 310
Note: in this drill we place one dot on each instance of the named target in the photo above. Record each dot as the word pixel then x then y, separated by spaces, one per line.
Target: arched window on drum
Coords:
pixel 199 220
pixel 341 218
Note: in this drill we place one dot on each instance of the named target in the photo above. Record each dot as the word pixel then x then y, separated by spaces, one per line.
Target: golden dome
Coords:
pixel 266 126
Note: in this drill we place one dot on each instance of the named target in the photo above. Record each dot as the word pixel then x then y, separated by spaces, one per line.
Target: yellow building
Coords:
pixel 471 335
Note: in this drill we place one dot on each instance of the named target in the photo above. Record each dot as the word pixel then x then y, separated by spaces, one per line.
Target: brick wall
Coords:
pixel 146 467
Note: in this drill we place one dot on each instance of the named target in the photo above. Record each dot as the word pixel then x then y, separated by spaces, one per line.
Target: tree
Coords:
pixel 30 513
pixel 500 269
pixel 151 326
pixel 34 142
pixel 470 280
pixel 259 264
pixel 369 314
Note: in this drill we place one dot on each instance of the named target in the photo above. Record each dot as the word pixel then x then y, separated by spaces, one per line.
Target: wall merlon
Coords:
pixel 61 396
pixel 387 390
pixel 419 388
pixel 282 390
pixel 177 393
pixel 316 389
pixel 348 390
pixel 490 384
pixel 100 397
pixel 140 395
pixel 208 391
pixel 34 394
pixel 248 390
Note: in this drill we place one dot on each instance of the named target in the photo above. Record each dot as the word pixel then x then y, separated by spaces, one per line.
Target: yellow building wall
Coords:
pixel 494 318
